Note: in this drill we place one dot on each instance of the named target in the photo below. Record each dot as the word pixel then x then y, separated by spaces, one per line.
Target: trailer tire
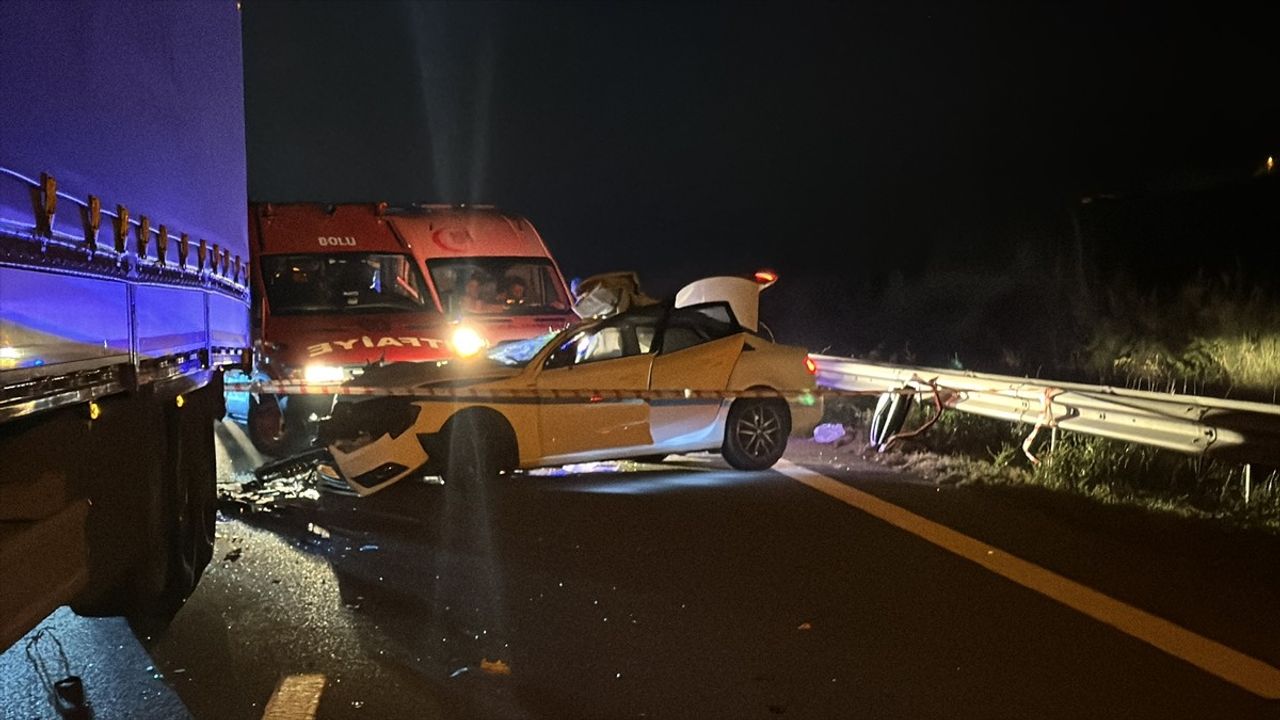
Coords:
pixel 175 514
pixel 188 514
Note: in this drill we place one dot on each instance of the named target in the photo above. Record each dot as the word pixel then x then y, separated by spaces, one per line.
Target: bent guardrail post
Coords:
pixel 1232 430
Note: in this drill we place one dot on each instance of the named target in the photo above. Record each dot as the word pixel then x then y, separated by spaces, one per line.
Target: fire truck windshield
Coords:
pixel 510 285
pixel 343 283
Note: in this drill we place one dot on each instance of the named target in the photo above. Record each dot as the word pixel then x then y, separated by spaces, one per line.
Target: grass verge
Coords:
pixel 967 449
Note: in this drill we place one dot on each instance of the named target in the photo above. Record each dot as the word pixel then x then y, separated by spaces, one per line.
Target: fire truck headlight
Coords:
pixel 467 342
pixel 322 374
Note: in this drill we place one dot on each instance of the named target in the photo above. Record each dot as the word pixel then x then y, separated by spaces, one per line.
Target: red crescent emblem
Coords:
pixel 452 239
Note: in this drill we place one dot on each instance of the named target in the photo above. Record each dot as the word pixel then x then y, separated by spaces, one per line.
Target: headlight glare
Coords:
pixel 467 342
pixel 322 374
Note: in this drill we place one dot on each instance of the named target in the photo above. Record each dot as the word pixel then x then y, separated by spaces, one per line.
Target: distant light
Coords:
pixel 95 411
pixel 1271 163
pixel 180 401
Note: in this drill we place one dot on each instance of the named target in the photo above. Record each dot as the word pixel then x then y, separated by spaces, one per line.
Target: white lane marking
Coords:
pixel 295 698
pixel 1215 658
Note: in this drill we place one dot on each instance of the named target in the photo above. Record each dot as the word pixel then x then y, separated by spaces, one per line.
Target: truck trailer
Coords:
pixel 124 295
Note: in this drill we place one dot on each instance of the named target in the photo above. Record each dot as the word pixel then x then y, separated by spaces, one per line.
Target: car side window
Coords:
pixel 603 345
pixel 622 337
pixel 644 337
pixel 565 354
pixel 698 324
pixel 679 337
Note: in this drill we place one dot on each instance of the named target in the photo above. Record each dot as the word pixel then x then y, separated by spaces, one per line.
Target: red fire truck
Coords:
pixel 339 287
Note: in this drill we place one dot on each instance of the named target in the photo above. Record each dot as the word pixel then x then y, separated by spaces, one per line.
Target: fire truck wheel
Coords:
pixel 270 428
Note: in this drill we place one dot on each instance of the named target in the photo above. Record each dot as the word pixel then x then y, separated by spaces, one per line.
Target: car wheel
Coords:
pixel 479 444
pixel 756 433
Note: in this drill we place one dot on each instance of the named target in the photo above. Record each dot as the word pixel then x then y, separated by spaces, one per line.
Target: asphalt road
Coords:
pixel 686 590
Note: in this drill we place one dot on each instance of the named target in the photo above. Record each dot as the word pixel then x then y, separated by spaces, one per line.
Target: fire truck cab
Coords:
pixel 337 288
pixel 490 272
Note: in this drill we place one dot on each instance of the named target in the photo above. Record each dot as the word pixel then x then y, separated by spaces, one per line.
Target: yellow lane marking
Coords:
pixel 1215 658
pixel 295 698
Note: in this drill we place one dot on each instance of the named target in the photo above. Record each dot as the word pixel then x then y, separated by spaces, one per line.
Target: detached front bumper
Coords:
pixel 379 463
pixel 374 443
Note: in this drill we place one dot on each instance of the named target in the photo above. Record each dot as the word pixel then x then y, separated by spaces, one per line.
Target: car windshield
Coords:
pixel 506 285
pixel 518 353
pixel 343 283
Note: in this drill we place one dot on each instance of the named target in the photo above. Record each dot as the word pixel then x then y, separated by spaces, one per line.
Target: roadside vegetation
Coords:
pixel 1216 336
pixel 1113 300
pixel 966 449
pixel 1213 337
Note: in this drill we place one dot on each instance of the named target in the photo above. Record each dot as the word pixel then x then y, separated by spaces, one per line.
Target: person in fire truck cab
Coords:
pixel 302 284
pixel 476 299
pixel 513 291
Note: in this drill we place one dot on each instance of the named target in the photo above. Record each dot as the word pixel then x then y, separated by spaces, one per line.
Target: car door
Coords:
pixel 604 358
pixel 699 347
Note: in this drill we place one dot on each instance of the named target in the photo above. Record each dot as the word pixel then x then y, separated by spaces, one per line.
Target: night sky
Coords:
pixel 860 149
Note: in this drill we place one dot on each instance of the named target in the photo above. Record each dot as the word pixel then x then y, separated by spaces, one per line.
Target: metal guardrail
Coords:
pixel 1245 432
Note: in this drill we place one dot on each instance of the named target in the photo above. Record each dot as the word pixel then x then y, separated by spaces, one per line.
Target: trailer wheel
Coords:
pixel 197 474
pixel 173 511
pixel 188 513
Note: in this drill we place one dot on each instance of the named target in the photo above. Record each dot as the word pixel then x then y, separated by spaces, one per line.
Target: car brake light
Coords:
pixel 766 278
pixel 810 365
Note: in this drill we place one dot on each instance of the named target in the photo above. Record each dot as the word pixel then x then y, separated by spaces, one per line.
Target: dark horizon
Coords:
pixel 846 146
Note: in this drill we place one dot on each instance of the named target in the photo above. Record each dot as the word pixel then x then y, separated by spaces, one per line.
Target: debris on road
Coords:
pixel 291 478
pixel 234 555
pixel 495 667
pixel 828 433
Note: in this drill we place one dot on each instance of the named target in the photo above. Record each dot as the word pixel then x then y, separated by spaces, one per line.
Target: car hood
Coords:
pixel 418 374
